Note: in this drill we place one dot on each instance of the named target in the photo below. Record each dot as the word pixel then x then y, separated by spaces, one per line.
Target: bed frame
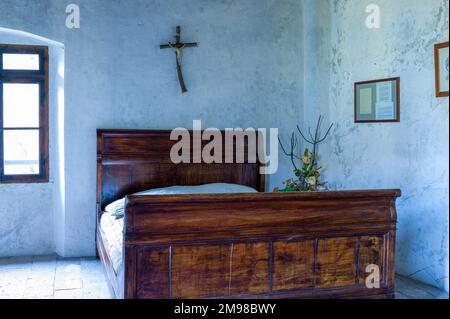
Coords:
pixel 262 245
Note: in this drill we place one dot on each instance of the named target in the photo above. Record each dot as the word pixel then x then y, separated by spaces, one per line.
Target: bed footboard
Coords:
pixel 264 245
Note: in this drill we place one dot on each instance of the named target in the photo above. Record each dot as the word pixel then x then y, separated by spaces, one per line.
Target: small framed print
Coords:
pixel 377 101
pixel 441 69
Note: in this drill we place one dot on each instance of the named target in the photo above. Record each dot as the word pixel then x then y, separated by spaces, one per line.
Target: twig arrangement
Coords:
pixel 309 173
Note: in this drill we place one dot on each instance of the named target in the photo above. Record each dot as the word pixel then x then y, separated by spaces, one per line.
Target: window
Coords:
pixel 23 114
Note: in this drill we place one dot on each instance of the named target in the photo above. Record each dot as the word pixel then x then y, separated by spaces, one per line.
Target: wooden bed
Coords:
pixel 258 245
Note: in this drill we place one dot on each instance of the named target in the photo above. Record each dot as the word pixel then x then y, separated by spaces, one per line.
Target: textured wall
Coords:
pixel 246 67
pixel 258 62
pixel 26 211
pixel 411 155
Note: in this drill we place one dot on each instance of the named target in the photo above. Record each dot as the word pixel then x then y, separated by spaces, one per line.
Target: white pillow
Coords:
pixel 117 208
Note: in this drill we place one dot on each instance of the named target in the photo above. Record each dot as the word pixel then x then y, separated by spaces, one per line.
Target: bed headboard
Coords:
pixel 130 161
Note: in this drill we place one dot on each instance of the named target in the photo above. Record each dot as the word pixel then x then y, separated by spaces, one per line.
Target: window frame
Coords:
pixel 41 77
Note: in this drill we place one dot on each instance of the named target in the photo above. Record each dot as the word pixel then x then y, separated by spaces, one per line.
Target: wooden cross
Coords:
pixel 178 47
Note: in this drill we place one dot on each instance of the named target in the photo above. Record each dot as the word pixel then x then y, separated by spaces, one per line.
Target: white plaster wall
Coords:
pixel 26 210
pixel 317 48
pixel 411 155
pixel 247 71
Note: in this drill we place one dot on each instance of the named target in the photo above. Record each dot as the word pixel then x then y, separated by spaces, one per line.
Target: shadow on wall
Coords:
pixel 32 215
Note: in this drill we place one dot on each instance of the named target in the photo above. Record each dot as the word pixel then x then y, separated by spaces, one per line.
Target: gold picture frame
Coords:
pixel 441 64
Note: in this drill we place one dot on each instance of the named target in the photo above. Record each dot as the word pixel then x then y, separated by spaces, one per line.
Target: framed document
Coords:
pixel 377 101
pixel 441 69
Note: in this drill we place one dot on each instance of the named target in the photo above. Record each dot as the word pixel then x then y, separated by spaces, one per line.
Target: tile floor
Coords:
pixel 44 277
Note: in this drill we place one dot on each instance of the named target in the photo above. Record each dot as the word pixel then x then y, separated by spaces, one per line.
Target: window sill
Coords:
pixel 24 180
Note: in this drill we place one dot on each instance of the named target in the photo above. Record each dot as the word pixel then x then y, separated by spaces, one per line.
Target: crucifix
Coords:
pixel 178 47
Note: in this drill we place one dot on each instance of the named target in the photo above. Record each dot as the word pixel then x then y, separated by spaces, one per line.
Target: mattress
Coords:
pixel 112 233
pixel 112 221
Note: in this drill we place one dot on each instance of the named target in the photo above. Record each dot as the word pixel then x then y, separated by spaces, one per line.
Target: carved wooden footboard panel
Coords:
pixel 315 268
pixel 260 245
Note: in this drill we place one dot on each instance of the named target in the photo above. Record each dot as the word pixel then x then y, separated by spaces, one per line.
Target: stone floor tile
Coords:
pixel 39 291
pixel 13 279
pixel 92 266
pixel 414 289
pixel 69 294
pixel 68 272
pixel 42 276
pixel 14 272
pixel 416 294
pixel 44 280
pixel 435 292
pixel 68 268
pixel 11 296
pixel 12 288
pixel 42 297
pixel 68 283
pixel 96 291
pixel 399 295
pixel 93 278
pixel 44 264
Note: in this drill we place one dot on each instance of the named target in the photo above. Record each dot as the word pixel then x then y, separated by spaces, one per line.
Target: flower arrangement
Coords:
pixel 308 172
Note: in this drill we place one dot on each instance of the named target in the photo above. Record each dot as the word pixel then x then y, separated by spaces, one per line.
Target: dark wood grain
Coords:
pixel 371 252
pixel 259 245
pixel 336 262
pixel 293 265
pixel 132 161
pixel 189 266
pixel 249 268
pixel 155 261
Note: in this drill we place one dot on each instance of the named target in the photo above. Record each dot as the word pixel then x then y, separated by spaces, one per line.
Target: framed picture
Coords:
pixel 377 101
pixel 441 69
